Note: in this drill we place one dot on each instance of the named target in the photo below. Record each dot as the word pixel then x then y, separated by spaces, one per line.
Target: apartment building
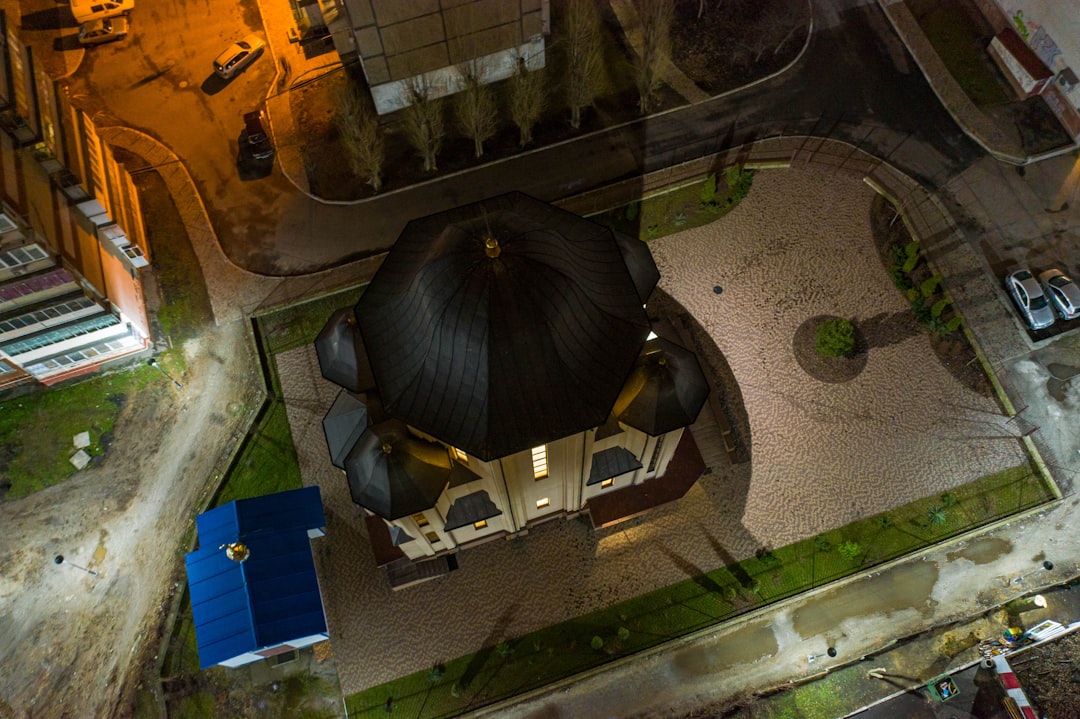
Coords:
pixel 399 42
pixel 72 246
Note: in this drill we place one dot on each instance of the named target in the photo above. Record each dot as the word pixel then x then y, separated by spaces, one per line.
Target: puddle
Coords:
pixel 983 550
pixel 99 553
pixel 744 646
pixel 1060 379
pixel 904 587
pixel 1062 372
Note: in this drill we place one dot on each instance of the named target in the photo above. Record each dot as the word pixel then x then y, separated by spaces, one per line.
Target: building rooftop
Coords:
pixel 269 598
pixel 503 324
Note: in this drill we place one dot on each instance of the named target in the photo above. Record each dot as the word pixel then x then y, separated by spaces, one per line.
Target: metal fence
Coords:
pixel 505 670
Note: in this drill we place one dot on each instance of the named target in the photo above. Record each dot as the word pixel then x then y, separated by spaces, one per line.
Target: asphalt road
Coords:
pixel 855 83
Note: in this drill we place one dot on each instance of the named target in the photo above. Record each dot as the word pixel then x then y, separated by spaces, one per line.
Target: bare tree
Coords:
pixel 655 51
pixel 768 29
pixel 774 26
pixel 474 106
pixel 584 61
pixel 526 100
pixel 361 135
pixel 423 122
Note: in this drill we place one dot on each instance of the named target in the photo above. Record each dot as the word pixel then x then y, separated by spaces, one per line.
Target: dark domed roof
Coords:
pixel 665 391
pixel 501 325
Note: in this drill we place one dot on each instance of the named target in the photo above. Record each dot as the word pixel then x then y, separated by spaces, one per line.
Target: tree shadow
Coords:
pixel 887 328
pixel 480 659
pixel 693 571
pixel 728 561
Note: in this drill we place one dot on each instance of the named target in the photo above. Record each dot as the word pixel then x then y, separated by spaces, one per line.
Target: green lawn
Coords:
pixel 962 49
pixel 565 649
pixel 290 327
pixel 36 430
pixel 186 310
pixel 680 208
pixel 267 463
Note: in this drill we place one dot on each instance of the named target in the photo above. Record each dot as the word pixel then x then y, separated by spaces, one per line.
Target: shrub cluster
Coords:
pixel 835 338
pixel 904 259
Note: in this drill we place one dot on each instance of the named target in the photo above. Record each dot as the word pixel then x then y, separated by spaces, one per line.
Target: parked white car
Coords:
pixel 1063 293
pixel 239 55
pixel 87 10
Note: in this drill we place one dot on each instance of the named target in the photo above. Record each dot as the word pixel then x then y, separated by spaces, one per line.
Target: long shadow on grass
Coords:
pixel 727 560
pixel 696 573
pixel 476 664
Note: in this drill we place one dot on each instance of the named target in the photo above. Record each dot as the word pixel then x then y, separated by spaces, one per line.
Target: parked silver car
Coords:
pixel 96 32
pixel 1063 293
pixel 1028 296
pixel 239 55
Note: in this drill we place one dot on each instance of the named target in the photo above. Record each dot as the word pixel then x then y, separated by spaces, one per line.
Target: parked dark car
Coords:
pixel 258 141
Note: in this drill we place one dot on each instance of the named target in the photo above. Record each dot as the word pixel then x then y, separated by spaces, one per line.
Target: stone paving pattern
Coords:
pixel 822 454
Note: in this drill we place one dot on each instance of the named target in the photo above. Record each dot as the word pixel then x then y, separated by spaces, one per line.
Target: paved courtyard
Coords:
pixel 821 454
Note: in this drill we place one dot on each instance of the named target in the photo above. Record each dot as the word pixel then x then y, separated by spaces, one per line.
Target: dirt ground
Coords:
pixel 1050 676
pixel 75 643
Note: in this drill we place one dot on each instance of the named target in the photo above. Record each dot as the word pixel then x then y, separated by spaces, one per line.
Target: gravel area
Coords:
pixel 821 454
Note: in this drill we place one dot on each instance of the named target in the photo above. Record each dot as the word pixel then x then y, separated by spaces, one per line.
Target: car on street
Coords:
pixel 1064 294
pixel 257 140
pixel 87 10
pixel 96 32
pixel 1029 298
pixel 238 56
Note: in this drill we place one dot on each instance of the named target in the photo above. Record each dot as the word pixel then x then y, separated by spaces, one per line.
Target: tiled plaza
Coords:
pixel 820 454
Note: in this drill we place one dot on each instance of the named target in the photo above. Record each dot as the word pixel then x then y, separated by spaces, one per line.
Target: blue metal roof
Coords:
pixel 270 598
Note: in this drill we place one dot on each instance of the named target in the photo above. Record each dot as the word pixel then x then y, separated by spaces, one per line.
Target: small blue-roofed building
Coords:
pixel 254 591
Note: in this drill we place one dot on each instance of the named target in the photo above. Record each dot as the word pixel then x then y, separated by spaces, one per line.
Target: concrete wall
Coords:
pixel 398 42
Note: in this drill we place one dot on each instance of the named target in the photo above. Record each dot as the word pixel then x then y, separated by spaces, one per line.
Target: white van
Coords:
pixel 87 10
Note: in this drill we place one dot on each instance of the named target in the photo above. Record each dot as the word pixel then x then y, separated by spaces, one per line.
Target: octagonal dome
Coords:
pixel 502 325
